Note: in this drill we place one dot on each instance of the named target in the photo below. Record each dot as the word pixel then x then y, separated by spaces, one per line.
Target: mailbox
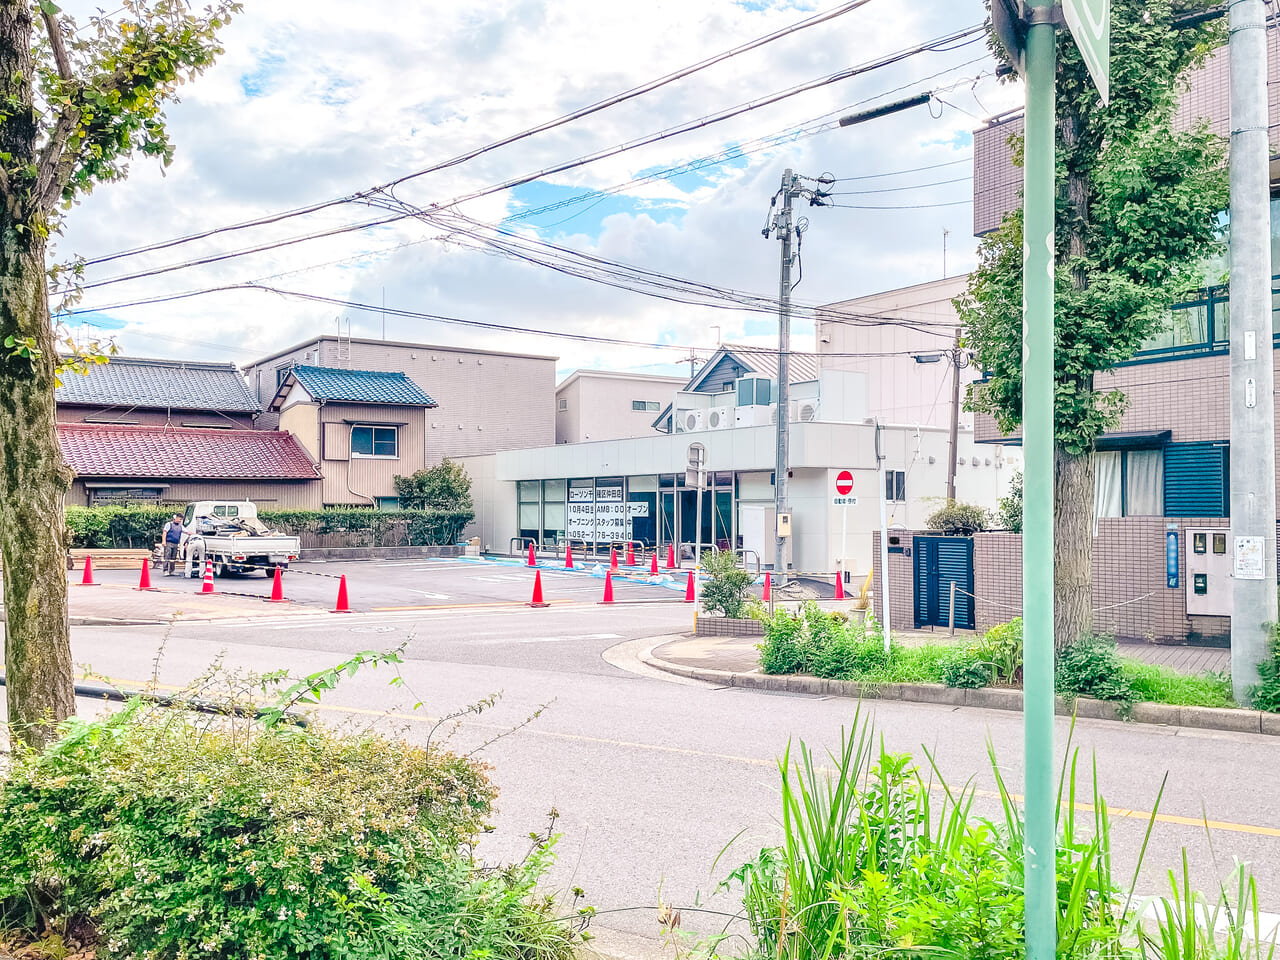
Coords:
pixel 1208 572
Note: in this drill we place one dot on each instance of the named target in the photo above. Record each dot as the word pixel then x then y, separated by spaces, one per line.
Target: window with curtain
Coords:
pixel 1128 483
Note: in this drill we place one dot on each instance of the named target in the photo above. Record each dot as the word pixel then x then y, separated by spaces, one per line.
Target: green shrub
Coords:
pixel 850 654
pixel 784 649
pixel 141 526
pixel 1001 648
pixel 445 486
pixel 1092 668
pixel 216 842
pixel 1009 512
pixel 964 671
pixel 959 519
pixel 1266 695
pixel 725 591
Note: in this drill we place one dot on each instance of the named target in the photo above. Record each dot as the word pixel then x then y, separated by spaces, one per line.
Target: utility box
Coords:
pixel 1209 567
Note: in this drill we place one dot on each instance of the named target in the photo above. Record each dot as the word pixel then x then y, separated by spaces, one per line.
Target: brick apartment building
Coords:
pixel 1161 490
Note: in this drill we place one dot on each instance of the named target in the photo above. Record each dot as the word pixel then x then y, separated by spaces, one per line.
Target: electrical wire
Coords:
pixel 481 324
pixel 369 196
pixel 649 87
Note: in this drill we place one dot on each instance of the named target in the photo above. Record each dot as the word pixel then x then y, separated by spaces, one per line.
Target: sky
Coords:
pixel 316 99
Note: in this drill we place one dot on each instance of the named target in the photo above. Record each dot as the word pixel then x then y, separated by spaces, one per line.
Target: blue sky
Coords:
pixel 308 103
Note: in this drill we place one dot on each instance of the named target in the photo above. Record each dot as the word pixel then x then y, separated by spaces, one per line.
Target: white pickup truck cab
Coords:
pixel 229 533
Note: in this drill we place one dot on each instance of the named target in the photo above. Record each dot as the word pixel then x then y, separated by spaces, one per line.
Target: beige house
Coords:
pixel 363 427
pixel 605 405
pixel 484 401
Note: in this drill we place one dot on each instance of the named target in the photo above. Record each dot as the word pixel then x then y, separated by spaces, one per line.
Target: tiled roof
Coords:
pixel 163 453
pixel 361 386
pixel 166 384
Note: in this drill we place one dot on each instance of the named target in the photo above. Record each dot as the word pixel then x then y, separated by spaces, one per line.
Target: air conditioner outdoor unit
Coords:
pixel 689 421
pixel 719 418
pixel 804 411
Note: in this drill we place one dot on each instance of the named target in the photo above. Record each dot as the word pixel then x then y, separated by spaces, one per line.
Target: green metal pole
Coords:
pixel 1037 530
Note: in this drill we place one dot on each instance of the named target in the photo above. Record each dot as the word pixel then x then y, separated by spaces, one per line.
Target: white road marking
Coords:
pixel 431 596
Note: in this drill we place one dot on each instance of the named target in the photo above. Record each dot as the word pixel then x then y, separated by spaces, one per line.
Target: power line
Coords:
pixel 370 196
pixel 482 324
pixel 461 158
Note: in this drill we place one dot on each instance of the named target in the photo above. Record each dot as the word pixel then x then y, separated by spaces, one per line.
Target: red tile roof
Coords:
pixel 93 450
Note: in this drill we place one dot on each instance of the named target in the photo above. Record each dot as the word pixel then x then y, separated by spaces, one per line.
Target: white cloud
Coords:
pixel 313 101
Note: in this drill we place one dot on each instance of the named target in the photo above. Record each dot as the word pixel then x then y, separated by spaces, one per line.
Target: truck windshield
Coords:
pixel 190 515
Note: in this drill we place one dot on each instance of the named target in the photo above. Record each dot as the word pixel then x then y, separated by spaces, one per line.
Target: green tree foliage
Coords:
pixel 1138 207
pixel 77 102
pixel 1009 513
pixel 959 519
pixel 725 592
pixel 445 486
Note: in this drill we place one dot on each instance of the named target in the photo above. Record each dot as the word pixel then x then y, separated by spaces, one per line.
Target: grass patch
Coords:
pixel 831 646
pixel 1155 684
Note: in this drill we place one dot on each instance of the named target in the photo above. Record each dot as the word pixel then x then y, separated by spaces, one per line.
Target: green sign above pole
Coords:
pixel 1090 25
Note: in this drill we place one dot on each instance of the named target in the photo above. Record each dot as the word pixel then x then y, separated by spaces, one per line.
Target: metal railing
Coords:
pixel 524 544
pixel 741 554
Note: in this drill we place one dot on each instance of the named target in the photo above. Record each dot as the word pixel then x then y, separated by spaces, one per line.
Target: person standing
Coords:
pixel 172 543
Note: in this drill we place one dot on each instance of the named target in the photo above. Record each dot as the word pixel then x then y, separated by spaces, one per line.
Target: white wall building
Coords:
pixel 606 405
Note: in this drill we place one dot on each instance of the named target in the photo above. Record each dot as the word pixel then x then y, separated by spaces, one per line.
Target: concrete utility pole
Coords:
pixel 955 418
pixel 782 224
pixel 1253 450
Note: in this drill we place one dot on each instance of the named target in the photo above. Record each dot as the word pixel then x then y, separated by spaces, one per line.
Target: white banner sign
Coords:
pixel 601 522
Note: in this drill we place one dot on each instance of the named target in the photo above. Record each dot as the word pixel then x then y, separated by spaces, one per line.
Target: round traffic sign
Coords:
pixel 844 482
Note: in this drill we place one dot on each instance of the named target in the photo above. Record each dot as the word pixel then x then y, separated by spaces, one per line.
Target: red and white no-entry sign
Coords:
pixel 844 482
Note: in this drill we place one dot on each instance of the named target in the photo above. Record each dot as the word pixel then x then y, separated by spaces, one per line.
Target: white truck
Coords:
pixel 229 533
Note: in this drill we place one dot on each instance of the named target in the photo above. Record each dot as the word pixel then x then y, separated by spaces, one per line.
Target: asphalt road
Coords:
pixel 653 777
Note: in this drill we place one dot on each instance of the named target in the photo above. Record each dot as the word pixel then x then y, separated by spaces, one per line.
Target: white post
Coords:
pixel 884 545
pixel 844 535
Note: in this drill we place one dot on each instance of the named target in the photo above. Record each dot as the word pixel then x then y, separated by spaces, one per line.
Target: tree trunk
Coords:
pixel 1073 552
pixel 33 480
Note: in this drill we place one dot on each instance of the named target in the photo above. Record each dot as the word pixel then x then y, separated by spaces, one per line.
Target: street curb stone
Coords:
pixel 986 698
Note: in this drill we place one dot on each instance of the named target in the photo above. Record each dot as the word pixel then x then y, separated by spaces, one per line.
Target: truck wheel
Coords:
pixel 224 571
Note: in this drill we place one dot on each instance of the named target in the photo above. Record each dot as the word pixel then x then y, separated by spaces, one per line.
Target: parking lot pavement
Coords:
pixel 373 586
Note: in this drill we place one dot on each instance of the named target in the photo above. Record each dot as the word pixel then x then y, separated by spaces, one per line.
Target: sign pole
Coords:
pixel 1038 443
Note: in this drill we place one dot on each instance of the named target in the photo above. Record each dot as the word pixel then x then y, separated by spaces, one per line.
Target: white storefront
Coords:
pixel 615 491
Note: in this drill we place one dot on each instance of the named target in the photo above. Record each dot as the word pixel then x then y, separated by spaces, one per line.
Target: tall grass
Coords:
pixel 882 855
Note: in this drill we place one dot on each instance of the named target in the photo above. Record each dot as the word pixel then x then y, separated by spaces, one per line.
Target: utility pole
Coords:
pixel 783 225
pixel 955 416
pixel 1253 451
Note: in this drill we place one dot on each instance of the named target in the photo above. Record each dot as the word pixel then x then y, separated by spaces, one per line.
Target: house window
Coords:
pixel 1197 480
pixel 1128 483
pixel 646 406
pixel 562 404
pixel 281 373
pixel 375 442
pixel 388 504
pixel 895 485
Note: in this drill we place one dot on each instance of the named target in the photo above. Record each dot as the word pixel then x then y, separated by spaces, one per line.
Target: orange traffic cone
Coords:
pixel 839 584
pixel 653 564
pixel 689 589
pixel 532 560
pixel 613 558
pixel 343 606
pixel 568 557
pixel 631 555
pixel 144 581
pixel 537 600
pixel 768 588
pixel 277 588
pixel 608 587
pixel 87 579
pixel 671 556
pixel 207 585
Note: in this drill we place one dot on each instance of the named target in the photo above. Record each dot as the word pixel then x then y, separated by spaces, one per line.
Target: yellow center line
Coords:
pixel 1116 813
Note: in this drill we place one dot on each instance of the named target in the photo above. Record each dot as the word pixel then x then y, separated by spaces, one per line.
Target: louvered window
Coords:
pixel 1196 480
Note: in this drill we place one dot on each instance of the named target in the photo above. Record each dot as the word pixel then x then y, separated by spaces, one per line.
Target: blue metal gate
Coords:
pixel 940 562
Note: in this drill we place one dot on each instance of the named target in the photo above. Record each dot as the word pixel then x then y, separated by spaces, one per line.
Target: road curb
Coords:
pixel 987 698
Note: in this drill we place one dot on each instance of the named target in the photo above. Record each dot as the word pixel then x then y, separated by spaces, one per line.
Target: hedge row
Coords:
pixel 97 528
